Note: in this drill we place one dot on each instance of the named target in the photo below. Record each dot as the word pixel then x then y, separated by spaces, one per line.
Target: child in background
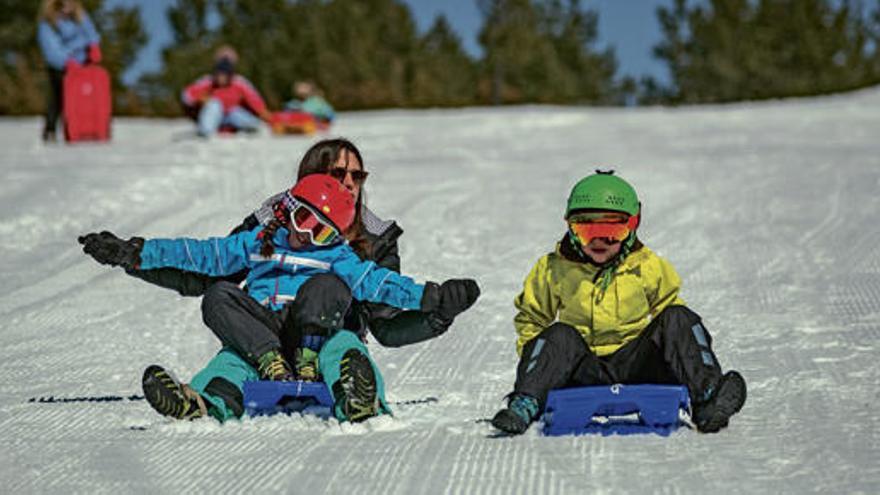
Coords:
pixel 604 309
pixel 309 99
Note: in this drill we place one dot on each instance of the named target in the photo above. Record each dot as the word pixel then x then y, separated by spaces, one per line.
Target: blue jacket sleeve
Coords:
pixel 54 52
pixel 370 282
pixel 215 256
pixel 88 26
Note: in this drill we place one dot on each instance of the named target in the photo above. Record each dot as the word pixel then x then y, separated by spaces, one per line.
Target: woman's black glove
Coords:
pixel 107 249
pixel 444 302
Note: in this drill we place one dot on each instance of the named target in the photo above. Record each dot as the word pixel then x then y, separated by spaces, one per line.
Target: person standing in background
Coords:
pixel 68 39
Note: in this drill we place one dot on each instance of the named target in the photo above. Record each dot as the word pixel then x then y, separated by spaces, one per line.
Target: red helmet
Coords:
pixel 328 197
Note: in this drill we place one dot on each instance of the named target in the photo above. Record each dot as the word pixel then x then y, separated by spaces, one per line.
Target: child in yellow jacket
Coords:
pixel 604 309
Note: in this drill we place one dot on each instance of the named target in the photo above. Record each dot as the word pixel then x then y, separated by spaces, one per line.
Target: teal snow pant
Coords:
pixel 221 382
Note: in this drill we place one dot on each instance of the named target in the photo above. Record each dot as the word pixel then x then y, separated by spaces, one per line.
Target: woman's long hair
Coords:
pixel 318 160
pixel 51 11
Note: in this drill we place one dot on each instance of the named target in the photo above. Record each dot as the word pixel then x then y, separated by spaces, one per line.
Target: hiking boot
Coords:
pixel 356 391
pixel 306 364
pixel 274 367
pixel 169 397
pixel 520 412
pixel 728 399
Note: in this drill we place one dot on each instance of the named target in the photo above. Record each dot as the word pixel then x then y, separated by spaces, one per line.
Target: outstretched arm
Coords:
pixel 371 282
pixel 214 256
pixel 439 306
pixel 405 328
pixel 391 326
pixel 441 303
pixel 187 283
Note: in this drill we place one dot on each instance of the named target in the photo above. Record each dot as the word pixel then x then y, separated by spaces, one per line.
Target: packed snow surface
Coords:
pixel 769 212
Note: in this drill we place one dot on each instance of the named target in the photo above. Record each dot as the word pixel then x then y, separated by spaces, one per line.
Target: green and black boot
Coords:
pixel 274 367
pixel 169 397
pixel 356 390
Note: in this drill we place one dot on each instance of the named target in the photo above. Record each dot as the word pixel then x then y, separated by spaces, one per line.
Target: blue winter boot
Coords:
pixel 520 412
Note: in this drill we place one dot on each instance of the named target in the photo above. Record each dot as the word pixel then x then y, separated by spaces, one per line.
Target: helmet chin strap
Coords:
pixel 607 270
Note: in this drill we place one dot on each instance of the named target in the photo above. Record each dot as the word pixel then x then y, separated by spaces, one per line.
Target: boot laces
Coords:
pixel 273 366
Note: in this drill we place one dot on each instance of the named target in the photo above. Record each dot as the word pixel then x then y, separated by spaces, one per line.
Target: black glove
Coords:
pixel 108 249
pixel 445 302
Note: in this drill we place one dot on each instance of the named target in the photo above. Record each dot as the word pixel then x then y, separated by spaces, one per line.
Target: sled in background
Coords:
pixel 296 122
pixel 265 398
pixel 87 104
pixel 615 409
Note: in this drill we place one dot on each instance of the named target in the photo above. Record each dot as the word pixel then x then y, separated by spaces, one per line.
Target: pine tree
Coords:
pixel 188 56
pixel 122 37
pixel 22 75
pixel 729 50
pixel 572 31
pixel 443 73
pixel 541 51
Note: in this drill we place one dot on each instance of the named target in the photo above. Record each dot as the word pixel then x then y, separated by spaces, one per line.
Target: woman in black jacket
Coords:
pixel 322 305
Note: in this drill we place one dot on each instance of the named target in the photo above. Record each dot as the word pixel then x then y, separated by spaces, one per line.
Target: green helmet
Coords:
pixel 603 191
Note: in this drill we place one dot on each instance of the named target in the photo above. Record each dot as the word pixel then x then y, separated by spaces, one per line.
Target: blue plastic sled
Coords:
pixel 265 398
pixel 615 409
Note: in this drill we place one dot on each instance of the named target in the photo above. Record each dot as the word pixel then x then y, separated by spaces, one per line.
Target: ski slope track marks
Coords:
pixel 768 211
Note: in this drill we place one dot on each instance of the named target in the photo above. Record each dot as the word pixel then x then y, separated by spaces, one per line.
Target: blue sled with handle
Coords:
pixel 615 409
pixel 265 398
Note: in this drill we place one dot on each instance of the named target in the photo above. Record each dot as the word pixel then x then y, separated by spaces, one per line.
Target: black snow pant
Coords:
pixel 674 348
pixel 243 324
pixel 54 101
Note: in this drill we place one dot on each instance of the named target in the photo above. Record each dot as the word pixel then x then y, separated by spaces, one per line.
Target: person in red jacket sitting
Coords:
pixel 224 99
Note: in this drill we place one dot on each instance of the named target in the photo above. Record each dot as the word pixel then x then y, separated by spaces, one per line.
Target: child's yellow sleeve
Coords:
pixel 664 287
pixel 536 304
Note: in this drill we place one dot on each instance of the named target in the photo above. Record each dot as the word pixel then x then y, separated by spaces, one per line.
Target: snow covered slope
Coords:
pixel 769 212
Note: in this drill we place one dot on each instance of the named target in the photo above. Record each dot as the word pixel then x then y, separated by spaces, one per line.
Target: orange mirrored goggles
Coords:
pixel 607 225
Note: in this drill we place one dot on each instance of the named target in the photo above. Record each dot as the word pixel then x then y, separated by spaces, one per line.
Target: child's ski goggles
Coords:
pixel 607 225
pixel 305 220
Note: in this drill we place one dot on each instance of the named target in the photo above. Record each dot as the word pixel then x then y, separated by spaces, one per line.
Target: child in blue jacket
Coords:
pixel 302 245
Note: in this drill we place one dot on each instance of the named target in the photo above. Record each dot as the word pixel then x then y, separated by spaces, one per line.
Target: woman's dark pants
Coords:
pixel 54 102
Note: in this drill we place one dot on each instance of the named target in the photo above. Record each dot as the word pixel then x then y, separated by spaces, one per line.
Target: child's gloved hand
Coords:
pixel 108 249
pixel 444 302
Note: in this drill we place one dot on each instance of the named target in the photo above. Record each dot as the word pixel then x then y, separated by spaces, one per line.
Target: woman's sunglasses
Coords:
pixel 357 176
